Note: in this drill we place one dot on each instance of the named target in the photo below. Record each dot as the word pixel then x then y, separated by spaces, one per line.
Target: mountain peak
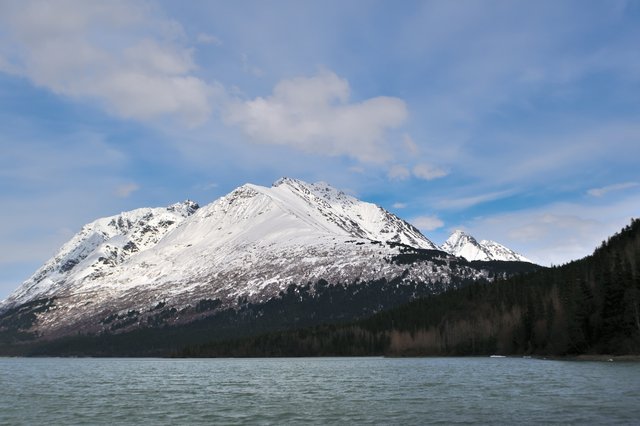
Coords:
pixel 288 181
pixel 464 245
pixel 459 234
pixel 498 251
pixel 186 208
pixel 358 218
pixel 321 188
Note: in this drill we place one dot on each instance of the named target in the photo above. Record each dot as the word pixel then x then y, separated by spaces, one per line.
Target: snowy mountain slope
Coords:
pixel 464 245
pixel 102 244
pixel 359 219
pixel 247 246
pixel 499 252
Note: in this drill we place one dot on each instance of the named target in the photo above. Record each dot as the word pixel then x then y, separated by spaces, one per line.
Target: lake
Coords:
pixel 403 391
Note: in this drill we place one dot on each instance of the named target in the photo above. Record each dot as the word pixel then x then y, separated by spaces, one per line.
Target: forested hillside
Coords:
pixel 587 306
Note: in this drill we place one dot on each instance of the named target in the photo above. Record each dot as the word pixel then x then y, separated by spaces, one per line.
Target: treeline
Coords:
pixel 325 340
pixel 297 307
pixel 587 306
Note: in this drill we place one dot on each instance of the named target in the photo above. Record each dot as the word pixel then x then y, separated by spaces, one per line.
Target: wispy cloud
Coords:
pixel 566 151
pixel 126 189
pixel 558 232
pixel 410 145
pixel 399 205
pixel 149 76
pixel 489 67
pixel 427 223
pixel 422 171
pixel 314 114
pixel 599 192
pixel 398 172
pixel 206 186
pixel 205 38
pixel 428 172
pixel 466 202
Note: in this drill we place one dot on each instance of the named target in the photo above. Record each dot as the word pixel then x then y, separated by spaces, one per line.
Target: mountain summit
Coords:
pixel 175 265
pixel 464 245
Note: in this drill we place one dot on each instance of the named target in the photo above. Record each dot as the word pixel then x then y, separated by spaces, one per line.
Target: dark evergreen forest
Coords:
pixel 588 306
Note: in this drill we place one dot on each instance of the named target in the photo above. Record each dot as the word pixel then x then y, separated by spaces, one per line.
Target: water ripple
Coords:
pixel 317 391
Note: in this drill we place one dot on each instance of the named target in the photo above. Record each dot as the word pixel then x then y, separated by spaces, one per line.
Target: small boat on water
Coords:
pixel 497 356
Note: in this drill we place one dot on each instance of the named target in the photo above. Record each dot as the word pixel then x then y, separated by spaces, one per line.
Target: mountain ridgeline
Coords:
pixel 588 306
pixel 259 259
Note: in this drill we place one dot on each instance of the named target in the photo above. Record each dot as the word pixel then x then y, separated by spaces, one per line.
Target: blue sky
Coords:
pixel 516 121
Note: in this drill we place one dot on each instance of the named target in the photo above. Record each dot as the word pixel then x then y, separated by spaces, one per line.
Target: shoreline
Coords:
pixel 593 358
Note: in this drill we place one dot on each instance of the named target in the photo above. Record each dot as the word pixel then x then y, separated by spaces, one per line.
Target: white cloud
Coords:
pixel 410 145
pixel 427 223
pixel 428 172
pixel 399 205
pixel 398 172
pixel 559 232
pixel 204 38
pixel 599 192
pixel 118 53
pixel 126 189
pixel 420 171
pixel 314 114
pixel 466 202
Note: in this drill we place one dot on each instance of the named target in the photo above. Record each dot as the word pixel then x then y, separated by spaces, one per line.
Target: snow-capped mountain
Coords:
pixel 250 246
pixel 101 245
pixel 464 245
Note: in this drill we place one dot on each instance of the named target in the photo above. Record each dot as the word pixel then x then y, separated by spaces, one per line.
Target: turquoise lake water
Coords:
pixel 399 391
